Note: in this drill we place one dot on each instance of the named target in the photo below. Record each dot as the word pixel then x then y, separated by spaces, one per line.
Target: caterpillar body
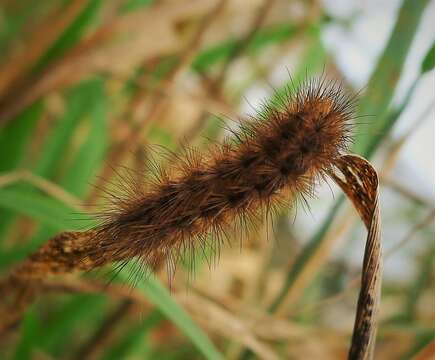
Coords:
pixel 268 162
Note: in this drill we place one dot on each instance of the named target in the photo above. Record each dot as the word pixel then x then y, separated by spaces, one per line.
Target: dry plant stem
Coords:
pixel 228 326
pixel 257 22
pixel 209 313
pixel 344 221
pixel 88 57
pixel 407 193
pixel 397 146
pixel 61 254
pixel 353 283
pixel 414 230
pixel 205 102
pixel 360 184
pixel 24 90
pixel 40 39
pixel 254 331
pixel 263 326
pixel 388 166
pixel 158 104
pixel 214 89
pixel 48 187
pixel 339 228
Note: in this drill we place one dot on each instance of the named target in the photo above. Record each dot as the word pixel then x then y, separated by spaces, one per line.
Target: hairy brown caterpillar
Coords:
pixel 199 198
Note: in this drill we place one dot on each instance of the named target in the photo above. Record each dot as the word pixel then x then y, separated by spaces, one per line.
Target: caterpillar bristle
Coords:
pixel 198 200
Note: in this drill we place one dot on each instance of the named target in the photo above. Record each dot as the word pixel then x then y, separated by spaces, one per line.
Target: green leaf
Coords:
pixel 421 282
pixel 132 5
pixel 162 299
pixel 77 314
pixel 12 256
pixel 62 323
pixel 87 97
pixel 71 35
pixel 157 135
pixel 210 56
pixel 41 208
pixel 14 140
pixel 134 341
pixel 79 101
pixel 15 136
pixel 271 35
pixel 91 153
pixel 29 332
pixel 429 60
pixel 382 84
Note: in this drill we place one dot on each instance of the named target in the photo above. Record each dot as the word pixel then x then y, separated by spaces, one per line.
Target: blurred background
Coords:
pixel 85 85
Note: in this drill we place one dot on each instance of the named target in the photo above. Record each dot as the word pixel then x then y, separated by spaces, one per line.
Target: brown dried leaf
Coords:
pixel 360 183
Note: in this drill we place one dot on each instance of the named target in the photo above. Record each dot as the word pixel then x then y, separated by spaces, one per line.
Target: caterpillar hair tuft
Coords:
pixel 268 162
pixel 200 198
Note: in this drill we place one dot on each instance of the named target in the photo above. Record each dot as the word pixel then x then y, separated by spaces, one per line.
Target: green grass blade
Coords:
pixel 79 100
pixel 429 60
pixel 383 81
pixel 15 136
pixel 133 5
pixel 134 341
pixel 29 331
pixel 14 139
pixel 90 155
pixel 77 314
pixel 86 98
pixel 222 51
pixel 41 208
pixel 162 299
pixel 305 255
pixel 71 35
